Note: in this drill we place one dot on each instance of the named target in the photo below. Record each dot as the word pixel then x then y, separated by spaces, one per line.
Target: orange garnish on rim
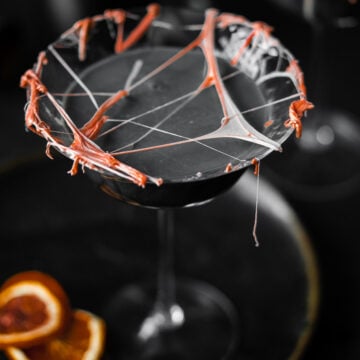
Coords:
pixel 84 340
pixel 33 308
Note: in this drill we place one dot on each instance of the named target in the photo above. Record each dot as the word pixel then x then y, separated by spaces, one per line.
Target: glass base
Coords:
pixel 202 324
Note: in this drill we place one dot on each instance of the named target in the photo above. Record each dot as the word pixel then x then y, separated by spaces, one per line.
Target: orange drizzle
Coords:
pixel 153 11
pixel 85 150
pixel 84 26
pixel 228 168
pixel 207 45
pixel 119 17
pixel 93 126
pixel 268 123
pixel 31 80
pixel 256 163
pixel 296 112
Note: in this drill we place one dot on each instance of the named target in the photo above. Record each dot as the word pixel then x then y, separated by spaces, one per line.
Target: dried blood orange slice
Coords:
pixel 33 308
pixel 83 340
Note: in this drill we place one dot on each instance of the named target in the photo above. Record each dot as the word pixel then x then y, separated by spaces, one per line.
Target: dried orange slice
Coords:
pixel 84 340
pixel 33 308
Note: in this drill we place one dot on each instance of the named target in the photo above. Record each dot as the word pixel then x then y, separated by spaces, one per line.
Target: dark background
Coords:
pixel 326 44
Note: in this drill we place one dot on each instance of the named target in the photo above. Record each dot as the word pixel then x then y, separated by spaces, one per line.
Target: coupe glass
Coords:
pixel 165 108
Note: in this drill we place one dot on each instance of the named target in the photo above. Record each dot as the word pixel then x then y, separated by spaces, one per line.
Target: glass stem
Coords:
pixel 166 277
pixel 166 313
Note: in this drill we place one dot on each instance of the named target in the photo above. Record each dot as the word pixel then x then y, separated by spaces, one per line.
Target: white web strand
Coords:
pixel 138 64
pixel 73 75
pixel 161 122
pixel 256 214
